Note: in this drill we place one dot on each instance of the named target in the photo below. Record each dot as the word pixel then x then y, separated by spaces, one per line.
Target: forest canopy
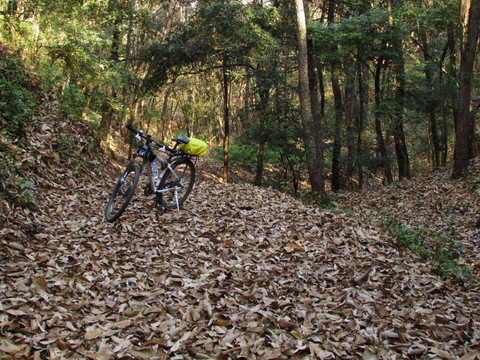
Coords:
pixel 393 86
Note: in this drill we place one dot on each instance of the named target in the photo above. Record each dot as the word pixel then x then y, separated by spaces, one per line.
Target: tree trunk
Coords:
pixel 364 95
pixel 313 166
pixel 260 163
pixel 264 85
pixel 226 122
pixel 351 123
pixel 398 133
pixel 378 125
pixel 315 85
pixel 431 103
pixel 245 117
pixel 337 98
pixel 337 137
pixel 464 131
pixel 451 93
pixel 107 109
pixel 161 121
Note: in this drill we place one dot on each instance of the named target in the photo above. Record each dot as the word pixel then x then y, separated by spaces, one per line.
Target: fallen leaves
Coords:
pixel 239 272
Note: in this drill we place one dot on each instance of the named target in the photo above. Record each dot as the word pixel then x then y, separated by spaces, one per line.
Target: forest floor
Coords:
pixel 241 272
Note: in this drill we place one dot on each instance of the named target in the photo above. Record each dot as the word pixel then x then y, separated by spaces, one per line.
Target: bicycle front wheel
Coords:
pixel 123 192
pixel 176 185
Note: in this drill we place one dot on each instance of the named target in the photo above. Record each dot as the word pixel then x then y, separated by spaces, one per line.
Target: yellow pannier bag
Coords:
pixel 194 147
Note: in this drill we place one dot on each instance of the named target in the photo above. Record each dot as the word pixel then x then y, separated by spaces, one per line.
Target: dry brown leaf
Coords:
pixel 231 275
pixel 93 334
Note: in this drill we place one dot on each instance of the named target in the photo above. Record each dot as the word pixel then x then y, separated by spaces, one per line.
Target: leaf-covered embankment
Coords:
pixel 432 214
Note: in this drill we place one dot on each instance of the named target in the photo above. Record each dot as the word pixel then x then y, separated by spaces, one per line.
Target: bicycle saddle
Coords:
pixel 182 139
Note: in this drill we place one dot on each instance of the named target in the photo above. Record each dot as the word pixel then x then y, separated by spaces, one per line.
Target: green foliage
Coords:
pixel 243 154
pixel 412 239
pixel 72 103
pixel 218 33
pixel 440 248
pixel 15 187
pixel 365 36
pixel 66 147
pixel 314 198
pixel 246 154
pixel 17 96
pixel 25 194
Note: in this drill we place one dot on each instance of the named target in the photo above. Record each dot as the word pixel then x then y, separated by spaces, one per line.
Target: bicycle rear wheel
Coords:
pixel 181 180
pixel 123 192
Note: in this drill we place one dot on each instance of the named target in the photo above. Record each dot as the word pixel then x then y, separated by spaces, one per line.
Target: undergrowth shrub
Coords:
pixel 15 186
pixel 17 96
pixel 439 248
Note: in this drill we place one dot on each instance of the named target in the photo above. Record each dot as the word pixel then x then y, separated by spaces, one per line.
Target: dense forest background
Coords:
pixel 392 85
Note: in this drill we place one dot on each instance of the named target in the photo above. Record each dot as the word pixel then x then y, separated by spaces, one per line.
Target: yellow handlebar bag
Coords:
pixel 194 147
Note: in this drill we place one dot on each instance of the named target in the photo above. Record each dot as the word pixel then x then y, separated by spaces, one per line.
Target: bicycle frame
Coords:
pixel 166 167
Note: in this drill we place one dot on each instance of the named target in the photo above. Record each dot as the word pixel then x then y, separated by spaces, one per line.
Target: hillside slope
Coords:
pixel 433 214
pixel 239 272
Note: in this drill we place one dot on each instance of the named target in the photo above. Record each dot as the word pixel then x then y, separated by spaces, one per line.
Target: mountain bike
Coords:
pixel 171 187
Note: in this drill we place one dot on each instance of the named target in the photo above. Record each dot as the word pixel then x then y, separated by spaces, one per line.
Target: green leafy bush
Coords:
pixel 440 248
pixel 17 98
pixel 72 103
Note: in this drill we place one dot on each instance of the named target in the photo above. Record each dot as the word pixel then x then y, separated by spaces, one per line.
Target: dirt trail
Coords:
pixel 239 272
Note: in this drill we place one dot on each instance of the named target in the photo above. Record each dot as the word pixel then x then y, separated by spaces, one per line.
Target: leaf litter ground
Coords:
pixel 239 272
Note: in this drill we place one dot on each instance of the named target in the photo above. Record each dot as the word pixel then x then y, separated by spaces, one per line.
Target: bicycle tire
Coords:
pixel 185 170
pixel 123 192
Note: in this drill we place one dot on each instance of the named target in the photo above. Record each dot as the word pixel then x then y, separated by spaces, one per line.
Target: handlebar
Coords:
pixel 149 139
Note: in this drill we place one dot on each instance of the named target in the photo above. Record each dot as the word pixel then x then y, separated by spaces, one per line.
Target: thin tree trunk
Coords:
pixel 245 117
pixel 226 122
pixel 378 125
pixel 162 120
pixel 470 18
pixel 451 93
pixel 260 163
pixel 431 105
pixel 337 98
pixel 264 85
pixel 337 137
pixel 351 123
pixel 363 93
pixel 398 116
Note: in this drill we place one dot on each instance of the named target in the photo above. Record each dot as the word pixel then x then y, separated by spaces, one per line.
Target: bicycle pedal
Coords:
pixel 147 191
pixel 160 210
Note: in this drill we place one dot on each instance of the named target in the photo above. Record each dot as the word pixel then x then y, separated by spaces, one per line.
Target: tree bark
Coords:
pixel 313 165
pixel 364 95
pixel 398 116
pixel 451 93
pixel 264 85
pixel 260 163
pixel 161 121
pixel 464 131
pixel 337 98
pixel 315 86
pixel 337 137
pixel 431 103
pixel 226 122
pixel 378 125
pixel 351 122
